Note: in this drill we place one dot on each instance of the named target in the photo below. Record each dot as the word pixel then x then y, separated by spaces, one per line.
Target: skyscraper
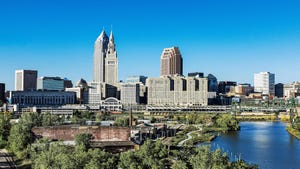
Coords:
pixel 264 82
pixel 105 59
pixel 279 90
pixel 111 62
pixel 2 92
pixel 171 62
pixel 25 80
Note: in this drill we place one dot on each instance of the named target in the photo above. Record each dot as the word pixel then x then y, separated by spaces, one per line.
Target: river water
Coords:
pixel 267 144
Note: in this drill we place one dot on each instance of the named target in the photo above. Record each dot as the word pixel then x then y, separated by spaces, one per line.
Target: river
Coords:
pixel 267 144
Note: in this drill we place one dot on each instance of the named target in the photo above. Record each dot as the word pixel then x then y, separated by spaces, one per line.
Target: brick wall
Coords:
pixel 68 133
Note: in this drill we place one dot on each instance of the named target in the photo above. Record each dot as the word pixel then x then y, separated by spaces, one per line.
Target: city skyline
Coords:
pixel 231 40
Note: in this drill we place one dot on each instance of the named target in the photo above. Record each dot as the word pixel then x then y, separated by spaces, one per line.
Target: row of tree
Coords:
pixel 152 155
pixel 224 121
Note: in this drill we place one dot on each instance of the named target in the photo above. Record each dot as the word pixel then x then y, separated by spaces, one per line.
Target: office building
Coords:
pixel 225 86
pixel 105 59
pixel 67 83
pixel 212 83
pixel 136 79
pixel 171 62
pixel 177 91
pixel 94 93
pixel 264 82
pixel 279 90
pixel 81 90
pixel 244 89
pixel 50 83
pixel 291 90
pixel 130 93
pixel 25 80
pixel 2 93
pixel 37 98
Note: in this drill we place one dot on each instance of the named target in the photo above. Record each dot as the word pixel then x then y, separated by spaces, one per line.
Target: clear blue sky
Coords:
pixel 231 39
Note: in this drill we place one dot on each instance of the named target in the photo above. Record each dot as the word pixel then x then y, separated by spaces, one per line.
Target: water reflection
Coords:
pixel 264 143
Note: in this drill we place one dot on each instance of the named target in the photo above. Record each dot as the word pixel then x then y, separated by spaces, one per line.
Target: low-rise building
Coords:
pixel 291 90
pixel 30 98
pixel 136 79
pixel 225 86
pixel 244 89
pixel 50 83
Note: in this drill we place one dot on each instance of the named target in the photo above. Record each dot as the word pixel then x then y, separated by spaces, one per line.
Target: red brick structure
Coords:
pixel 68 133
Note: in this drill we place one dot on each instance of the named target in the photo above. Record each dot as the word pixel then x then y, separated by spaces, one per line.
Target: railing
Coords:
pixel 8 160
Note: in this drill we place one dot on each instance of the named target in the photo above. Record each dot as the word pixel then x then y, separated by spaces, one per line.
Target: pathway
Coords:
pixel 189 137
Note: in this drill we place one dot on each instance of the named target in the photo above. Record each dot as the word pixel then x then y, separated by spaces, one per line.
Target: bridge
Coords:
pixel 214 109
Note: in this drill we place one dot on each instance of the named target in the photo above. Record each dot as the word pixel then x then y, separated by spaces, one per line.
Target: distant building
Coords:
pixel 212 83
pixel 264 82
pixel 177 91
pixel 279 90
pixel 171 62
pixel 2 93
pixel 291 90
pixel 67 83
pixel 111 62
pixel 94 93
pixel 105 59
pixel 81 90
pixel 136 79
pixel 35 98
pixel 225 86
pixel 25 80
pixel 196 74
pixel 130 93
pixel 100 49
pixel 50 83
pixel 244 89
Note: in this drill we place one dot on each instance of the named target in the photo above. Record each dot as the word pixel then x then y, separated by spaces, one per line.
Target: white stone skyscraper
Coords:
pixel 100 50
pixel 111 62
pixel 105 59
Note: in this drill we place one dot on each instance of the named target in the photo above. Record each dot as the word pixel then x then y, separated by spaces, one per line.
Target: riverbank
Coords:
pixel 293 131
pixel 257 118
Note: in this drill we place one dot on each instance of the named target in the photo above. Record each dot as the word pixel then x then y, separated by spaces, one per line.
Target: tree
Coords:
pixel 84 139
pixel 48 119
pixel 52 155
pixel 99 159
pixel 20 135
pixel 122 121
pixel 149 156
pixel 4 128
pixel 205 158
pixel 179 165
pixel 241 164
pixel 130 160
pixel 226 121
pixel 153 154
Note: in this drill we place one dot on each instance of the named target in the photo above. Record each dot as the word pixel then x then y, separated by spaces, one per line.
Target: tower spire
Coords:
pixel 111 37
